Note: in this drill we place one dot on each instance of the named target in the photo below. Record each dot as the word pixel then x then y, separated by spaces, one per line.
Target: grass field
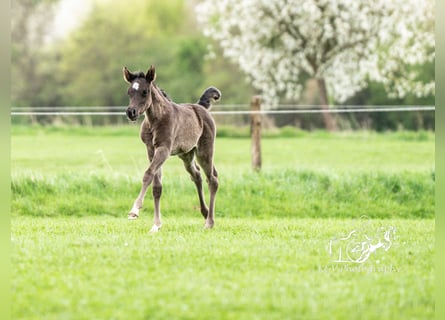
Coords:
pixel 109 268
pixel 75 256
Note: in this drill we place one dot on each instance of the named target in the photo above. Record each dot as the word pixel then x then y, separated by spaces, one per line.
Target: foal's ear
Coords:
pixel 151 74
pixel 128 76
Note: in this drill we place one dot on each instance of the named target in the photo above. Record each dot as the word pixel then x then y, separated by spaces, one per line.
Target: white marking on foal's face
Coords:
pixel 135 86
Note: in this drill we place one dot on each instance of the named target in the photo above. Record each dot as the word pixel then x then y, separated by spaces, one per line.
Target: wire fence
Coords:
pixel 280 109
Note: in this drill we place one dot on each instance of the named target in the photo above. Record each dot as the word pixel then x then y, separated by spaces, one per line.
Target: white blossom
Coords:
pixel 345 42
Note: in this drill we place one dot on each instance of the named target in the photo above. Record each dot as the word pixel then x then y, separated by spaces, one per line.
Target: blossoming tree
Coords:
pixel 340 43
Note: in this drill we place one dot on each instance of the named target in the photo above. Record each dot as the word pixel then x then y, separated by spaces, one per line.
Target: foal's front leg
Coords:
pixel 157 192
pixel 160 155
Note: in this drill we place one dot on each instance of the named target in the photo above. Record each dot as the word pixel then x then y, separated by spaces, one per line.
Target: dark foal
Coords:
pixel 185 130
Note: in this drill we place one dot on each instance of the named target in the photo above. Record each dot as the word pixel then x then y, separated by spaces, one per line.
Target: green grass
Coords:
pixel 290 193
pixel 76 256
pixel 110 268
pixel 56 171
pixel 119 150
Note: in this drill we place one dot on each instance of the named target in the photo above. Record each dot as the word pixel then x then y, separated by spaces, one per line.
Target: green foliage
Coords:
pixel 185 73
pixel 86 68
pixel 30 22
pixel 375 94
pixel 89 67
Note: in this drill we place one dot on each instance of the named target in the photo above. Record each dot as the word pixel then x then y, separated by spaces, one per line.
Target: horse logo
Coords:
pixel 360 244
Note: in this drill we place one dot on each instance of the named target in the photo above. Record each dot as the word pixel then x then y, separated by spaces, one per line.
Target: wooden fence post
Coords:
pixel 255 132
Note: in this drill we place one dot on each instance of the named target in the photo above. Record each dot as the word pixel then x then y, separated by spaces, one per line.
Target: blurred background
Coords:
pixel 71 53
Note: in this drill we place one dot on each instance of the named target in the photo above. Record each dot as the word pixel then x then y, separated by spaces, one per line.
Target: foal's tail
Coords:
pixel 209 96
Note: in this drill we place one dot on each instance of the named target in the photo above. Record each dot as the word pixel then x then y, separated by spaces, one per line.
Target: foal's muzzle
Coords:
pixel 132 113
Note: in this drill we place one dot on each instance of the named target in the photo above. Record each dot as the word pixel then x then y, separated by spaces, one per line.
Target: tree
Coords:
pixel 29 23
pixel 342 44
pixel 153 33
pixel 164 34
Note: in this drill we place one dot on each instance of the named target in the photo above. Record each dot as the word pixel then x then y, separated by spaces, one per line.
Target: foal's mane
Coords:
pixel 162 91
pixel 162 100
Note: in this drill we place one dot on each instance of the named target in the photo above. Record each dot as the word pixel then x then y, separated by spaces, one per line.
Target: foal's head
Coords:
pixel 139 91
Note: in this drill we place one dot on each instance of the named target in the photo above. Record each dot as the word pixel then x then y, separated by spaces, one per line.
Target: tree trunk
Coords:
pixel 328 118
pixel 419 121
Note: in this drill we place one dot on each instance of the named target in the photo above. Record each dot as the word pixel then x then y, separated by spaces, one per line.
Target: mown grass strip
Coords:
pixel 248 268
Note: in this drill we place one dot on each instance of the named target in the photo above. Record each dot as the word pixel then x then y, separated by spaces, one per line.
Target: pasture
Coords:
pixel 76 256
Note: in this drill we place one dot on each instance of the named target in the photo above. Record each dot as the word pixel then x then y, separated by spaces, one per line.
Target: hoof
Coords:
pixel 132 216
pixel 209 225
pixel 155 229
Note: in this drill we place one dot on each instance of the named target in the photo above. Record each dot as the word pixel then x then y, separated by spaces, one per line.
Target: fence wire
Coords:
pixel 296 109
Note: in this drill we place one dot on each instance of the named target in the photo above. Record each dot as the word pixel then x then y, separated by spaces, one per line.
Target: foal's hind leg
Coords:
pixel 193 170
pixel 206 162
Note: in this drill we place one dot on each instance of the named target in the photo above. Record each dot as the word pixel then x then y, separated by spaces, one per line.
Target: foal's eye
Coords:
pixel 144 92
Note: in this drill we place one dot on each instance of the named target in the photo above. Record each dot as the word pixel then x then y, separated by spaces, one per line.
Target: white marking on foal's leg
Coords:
pixel 134 213
pixel 155 228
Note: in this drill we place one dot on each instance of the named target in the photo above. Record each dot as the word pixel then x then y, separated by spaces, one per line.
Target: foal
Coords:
pixel 185 130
